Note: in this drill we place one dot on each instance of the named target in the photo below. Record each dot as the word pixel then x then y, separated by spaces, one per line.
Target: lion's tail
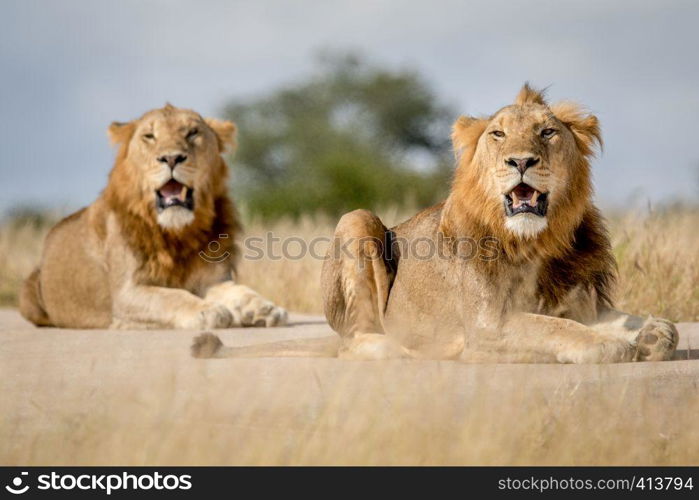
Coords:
pixel 208 345
pixel 30 301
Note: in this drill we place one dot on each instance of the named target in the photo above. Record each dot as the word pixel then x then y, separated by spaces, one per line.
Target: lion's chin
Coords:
pixel 526 225
pixel 175 218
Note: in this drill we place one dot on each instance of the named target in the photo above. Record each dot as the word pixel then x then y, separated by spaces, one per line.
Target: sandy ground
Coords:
pixel 58 386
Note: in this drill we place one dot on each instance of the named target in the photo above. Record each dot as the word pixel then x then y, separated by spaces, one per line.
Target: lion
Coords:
pixel 515 266
pixel 157 249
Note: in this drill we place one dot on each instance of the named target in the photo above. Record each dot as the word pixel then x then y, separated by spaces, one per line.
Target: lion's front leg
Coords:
pixel 140 306
pixel 531 338
pixel 655 338
pixel 247 306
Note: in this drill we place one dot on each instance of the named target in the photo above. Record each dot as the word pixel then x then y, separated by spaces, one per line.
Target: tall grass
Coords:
pixel 220 412
pixel 21 241
pixel 657 253
pixel 658 258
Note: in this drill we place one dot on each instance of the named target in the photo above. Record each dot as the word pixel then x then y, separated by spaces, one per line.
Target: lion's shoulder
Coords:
pixel 423 224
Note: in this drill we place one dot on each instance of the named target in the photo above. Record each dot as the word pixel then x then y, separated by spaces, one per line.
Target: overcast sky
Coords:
pixel 69 68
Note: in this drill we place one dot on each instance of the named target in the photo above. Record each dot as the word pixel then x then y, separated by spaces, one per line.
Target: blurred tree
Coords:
pixel 352 136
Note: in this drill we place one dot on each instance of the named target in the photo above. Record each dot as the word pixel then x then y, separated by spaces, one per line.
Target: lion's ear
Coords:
pixel 120 133
pixel 585 126
pixel 225 132
pixel 466 132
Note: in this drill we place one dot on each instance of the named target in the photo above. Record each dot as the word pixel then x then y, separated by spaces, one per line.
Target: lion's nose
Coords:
pixel 522 164
pixel 172 160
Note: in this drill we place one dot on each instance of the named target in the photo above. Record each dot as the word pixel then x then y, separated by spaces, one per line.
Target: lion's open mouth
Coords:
pixel 525 199
pixel 174 194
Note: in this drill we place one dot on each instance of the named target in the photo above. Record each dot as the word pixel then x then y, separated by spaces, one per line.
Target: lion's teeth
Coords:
pixel 532 201
pixel 515 200
pixel 183 193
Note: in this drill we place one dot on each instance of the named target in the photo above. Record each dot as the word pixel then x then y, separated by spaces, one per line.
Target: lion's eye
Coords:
pixel 192 134
pixel 548 132
pixel 498 133
pixel 148 137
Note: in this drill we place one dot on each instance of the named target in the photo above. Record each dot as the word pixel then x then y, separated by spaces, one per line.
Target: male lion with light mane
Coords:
pixel 536 290
pixel 138 257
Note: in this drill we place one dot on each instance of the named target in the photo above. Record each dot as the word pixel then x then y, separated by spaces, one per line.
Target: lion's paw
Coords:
pixel 259 311
pixel 656 341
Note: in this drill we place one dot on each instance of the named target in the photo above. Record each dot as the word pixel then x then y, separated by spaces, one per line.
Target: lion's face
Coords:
pixel 529 161
pixel 173 160
pixel 528 151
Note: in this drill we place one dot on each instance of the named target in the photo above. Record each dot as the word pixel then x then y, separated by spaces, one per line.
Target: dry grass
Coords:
pixel 361 415
pixel 20 251
pixel 657 252
pixel 658 257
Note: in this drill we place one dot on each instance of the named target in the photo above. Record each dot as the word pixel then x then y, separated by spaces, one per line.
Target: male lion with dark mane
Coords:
pixel 538 286
pixel 138 257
